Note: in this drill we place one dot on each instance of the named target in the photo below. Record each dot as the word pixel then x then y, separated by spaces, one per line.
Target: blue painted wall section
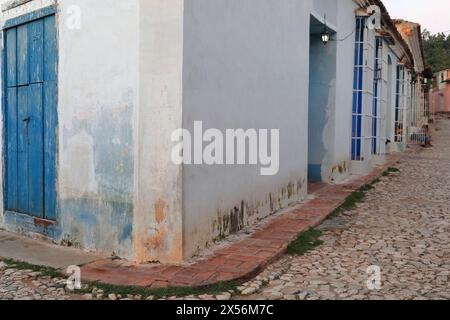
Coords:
pixel 104 219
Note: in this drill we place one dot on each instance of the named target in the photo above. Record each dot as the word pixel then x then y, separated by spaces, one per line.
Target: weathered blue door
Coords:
pixel 30 84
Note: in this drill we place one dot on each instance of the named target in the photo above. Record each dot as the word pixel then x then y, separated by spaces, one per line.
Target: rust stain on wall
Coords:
pixel 157 239
pixel 43 223
pixel 160 211
pixel 159 242
pixel 159 232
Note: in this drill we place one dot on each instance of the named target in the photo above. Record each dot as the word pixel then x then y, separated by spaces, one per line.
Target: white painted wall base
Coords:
pixel 361 167
pixel 378 160
pixel 398 147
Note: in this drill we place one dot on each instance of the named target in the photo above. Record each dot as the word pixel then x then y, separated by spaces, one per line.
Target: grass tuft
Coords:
pixel 305 242
pixel 389 171
pixel 44 271
pixel 352 200
pixel 125 291
pixel 159 293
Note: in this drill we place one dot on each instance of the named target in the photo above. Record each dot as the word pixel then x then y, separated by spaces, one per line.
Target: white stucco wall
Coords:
pixel 340 165
pixel 391 75
pixel 245 66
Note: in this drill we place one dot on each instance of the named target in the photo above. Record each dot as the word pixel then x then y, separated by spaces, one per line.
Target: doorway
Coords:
pixel 30 86
pixel 321 105
pixel 390 106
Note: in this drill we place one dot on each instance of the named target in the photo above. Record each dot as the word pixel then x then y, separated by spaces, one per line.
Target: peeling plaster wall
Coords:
pixel 158 211
pixel 118 191
pixel 98 94
pixel 245 66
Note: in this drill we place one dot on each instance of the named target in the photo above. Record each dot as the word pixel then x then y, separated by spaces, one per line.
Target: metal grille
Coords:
pixel 400 104
pixel 362 91
pixel 379 101
pixel 358 89
pixel 419 136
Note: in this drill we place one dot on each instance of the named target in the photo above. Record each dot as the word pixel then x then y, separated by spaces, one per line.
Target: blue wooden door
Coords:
pixel 30 83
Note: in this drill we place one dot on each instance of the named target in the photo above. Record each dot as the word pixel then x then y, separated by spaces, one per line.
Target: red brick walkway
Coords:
pixel 241 260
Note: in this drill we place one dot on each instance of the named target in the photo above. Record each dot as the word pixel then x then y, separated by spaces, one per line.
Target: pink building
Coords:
pixel 440 94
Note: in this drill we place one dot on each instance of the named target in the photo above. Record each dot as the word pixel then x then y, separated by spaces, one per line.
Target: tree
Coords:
pixel 437 50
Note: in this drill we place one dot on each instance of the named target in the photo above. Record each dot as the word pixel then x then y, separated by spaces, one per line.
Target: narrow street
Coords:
pixel 403 227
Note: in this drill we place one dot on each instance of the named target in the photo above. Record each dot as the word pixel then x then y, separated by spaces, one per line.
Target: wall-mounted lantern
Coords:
pixel 325 34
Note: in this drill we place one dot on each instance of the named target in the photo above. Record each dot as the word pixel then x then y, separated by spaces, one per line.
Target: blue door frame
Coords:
pixel 29 78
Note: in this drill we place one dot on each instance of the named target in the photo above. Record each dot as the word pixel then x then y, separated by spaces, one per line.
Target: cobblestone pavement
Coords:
pixel 18 284
pixel 403 227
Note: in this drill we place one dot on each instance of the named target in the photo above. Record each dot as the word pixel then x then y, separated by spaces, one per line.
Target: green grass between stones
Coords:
pixel 305 242
pixel 124 291
pixel 310 239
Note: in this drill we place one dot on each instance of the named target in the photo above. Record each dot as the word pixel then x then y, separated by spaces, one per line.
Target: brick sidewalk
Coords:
pixel 243 259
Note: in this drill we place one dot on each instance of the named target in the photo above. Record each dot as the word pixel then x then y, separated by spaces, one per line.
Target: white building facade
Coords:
pixel 127 74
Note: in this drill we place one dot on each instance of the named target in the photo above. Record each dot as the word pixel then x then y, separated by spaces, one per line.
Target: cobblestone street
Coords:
pixel 30 285
pixel 403 227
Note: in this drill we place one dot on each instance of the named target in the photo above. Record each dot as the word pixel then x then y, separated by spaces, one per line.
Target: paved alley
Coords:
pixel 403 227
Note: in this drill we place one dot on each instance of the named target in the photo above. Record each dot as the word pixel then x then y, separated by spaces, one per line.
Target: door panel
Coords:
pixel 22 55
pixel 22 145
pixel 51 50
pixel 11 147
pixel 36 47
pixel 11 57
pixel 31 118
pixel 35 152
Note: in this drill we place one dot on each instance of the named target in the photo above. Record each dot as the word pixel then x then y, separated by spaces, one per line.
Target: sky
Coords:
pixel 433 15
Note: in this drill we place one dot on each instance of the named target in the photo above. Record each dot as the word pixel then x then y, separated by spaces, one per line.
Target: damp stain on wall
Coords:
pixel 247 213
pixel 339 171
